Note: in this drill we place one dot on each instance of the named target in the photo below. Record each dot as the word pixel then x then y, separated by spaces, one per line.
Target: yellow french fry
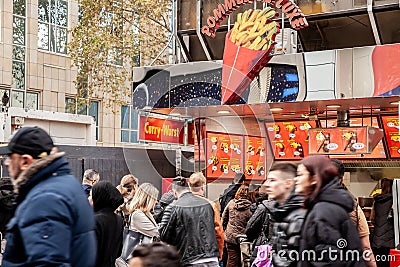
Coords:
pixel 255 42
pixel 239 18
pixel 250 38
pixel 241 40
pixel 245 16
pixel 239 35
pixel 253 15
pixel 271 33
pixel 263 12
pixel 270 14
pixel 261 44
pixel 255 27
pixel 247 45
pixel 268 27
pixel 262 23
pixel 246 26
pixel 233 34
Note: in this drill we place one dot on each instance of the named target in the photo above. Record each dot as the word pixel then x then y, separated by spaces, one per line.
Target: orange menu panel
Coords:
pixel 379 150
pixel 339 140
pixel 255 157
pixel 224 155
pixel 391 126
pixel 289 140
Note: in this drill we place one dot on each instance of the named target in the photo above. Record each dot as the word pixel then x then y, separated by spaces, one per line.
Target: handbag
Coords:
pixel 131 239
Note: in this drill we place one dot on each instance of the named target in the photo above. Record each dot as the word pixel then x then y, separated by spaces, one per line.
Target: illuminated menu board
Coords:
pixel 289 140
pixel 379 150
pixel 338 140
pixel 391 126
pixel 255 157
pixel 224 155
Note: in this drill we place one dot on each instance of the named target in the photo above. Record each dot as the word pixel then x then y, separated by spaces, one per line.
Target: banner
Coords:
pixel 160 130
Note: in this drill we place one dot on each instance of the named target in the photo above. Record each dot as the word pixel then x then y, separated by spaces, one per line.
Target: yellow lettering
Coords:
pixel 146 130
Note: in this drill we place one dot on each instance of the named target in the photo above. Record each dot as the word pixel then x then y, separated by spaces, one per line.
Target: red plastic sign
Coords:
pixel 160 130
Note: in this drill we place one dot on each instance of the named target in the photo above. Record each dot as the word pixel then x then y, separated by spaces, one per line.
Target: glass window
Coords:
pixel 72 107
pixel 337 33
pixel 19 7
pixel 32 100
pixel 17 99
pixel 389 31
pixel 18 30
pixel 52 26
pixel 129 124
pixel 18 53
pixel 18 75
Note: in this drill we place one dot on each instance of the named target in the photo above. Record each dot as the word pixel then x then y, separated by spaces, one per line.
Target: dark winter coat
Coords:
pixel 328 227
pixel 109 226
pixel 259 227
pixel 164 201
pixel 228 194
pixel 7 203
pixel 54 223
pixel 235 217
pixel 288 221
pixel 188 224
pixel 383 235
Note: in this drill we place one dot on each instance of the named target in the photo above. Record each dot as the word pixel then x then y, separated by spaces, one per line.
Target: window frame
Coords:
pixel 53 27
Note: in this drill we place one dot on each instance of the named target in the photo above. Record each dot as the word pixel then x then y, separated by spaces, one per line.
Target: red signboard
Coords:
pixel 160 130
pixel 391 126
pixel 289 140
pixel 255 158
pixel 379 150
pixel 339 140
pixel 224 155
pixel 191 134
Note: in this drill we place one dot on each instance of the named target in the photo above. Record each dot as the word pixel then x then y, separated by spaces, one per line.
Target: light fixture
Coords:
pixel 175 114
pixel 223 112
pixel 395 103
pixel 275 109
pixel 334 106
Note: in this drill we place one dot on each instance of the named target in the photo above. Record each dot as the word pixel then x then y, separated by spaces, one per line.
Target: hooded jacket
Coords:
pixel 53 224
pixel 328 230
pixel 235 217
pixel 383 235
pixel 109 226
pixel 288 220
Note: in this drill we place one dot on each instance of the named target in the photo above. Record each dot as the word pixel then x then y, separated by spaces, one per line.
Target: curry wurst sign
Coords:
pixel 296 17
pixel 160 130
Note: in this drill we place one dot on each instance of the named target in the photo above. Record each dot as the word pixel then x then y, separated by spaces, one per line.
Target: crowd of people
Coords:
pixel 302 215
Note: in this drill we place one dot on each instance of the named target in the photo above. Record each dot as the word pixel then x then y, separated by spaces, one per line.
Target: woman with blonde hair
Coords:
pixel 141 205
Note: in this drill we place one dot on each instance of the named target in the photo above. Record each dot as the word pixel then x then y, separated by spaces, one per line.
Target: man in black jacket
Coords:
pixel 287 213
pixel 188 224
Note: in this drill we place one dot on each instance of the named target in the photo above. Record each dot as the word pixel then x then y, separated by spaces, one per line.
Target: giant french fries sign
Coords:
pixel 249 44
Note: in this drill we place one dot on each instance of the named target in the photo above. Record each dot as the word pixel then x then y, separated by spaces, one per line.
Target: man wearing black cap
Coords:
pixel 53 224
